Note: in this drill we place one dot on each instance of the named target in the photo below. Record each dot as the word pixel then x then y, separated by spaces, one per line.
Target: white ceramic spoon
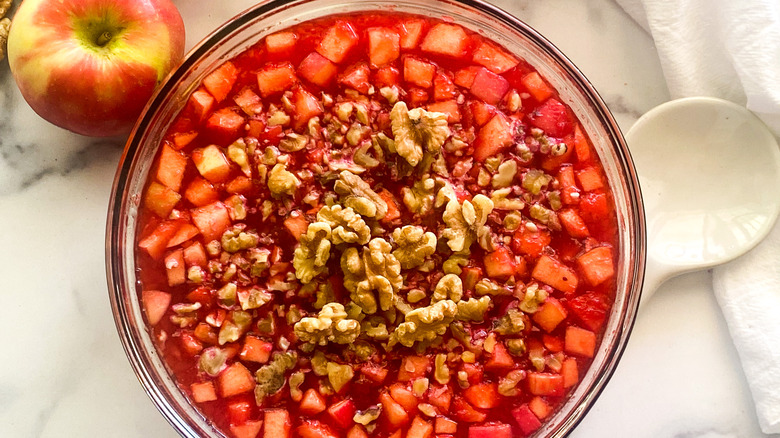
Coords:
pixel 709 171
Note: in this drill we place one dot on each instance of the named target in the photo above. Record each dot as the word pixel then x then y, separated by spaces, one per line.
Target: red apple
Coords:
pixel 90 66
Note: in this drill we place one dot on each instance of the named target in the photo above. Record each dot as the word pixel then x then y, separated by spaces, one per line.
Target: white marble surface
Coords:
pixel 63 372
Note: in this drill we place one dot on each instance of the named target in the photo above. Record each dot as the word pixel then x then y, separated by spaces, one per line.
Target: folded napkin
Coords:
pixel 731 50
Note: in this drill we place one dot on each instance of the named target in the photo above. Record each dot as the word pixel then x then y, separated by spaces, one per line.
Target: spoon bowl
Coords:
pixel 710 176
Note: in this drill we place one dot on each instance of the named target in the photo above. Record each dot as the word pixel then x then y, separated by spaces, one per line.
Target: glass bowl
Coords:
pixel 268 17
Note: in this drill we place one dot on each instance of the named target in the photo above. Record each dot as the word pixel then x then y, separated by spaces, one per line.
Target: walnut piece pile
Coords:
pixel 5 26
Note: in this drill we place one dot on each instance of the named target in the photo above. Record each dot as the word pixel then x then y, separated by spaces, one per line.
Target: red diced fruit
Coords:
pixel 539 407
pixel 570 372
pixel 342 413
pixel 277 424
pixel 357 431
pixel 448 107
pixel 463 411
pixel 499 359
pixel 393 212
pixel 220 81
pixel 420 429
pixel 235 379
pixel 494 58
pixel 280 43
pixel 314 429
pixel 256 350
pixel 537 87
pixel 224 125
pixel 465 77
pixel 317 69
pixel 174 268
pixel 573 224
pixel 594 207
pixel 404 396
pixel 552 117
pixel 356 77
pixel 489 87
pixel 239 410
pixel 387 76
pixel 274 79
pixel 413 367
pixel 203 392
pixel 495 430
pixel 554 273
pixel 590 179
pixel 212 220
pixel 394 413
pixel 296 224
pixel 493 138
pixel 195 255
pixel 312 403
pixel 499 263
pixel 590 309
pixel 200 104
pixel 482 395
pixel 211 163
pixel 446 39
pixel 550 314
pixel 383 46
pixel 200 192
pixel 156 242
pixel 249 102
pixel 417 97
pixel 440 396
pixel 443 87
pixel 481 112
pixel 526 420
pixel 182 139
pixel 530 242
pixel 170 167
pixel 338 40
pixel 445 425
pixel 250 429
pixel 160 199
pixel 411 32
pixel 597 265
pixel 374 372
pixel 581 145
pixel 305 106
pixel 155 304
pixel 579 341
pixel 418 72
pixel 547 384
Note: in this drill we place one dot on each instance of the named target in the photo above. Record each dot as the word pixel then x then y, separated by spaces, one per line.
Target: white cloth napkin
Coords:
pixel 731 49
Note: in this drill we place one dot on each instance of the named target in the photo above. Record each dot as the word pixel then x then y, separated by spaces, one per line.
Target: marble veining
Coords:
pixel 63 372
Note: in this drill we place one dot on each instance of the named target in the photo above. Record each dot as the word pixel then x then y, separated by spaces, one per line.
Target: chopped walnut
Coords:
pixel 373 277
pixel 506 174
pixel 545 216
pixel 533 298
pixel 466 223
pixel 339 375
pixel 414 245
pixel 212 361
pixel 424 324
pixel 359 196
pixel 281 181
pixel 236 239
pixel 449 287
pixel 293 142
pixel 5 27
pixel 453 264
pixel 325 295
pixel 512 323
pixel 417 131
pixel 534 181
pixel 487 286
pixel 363 155
pixel 238 154
pixel 346 225
pixel 313 252
pixel 473 309
pixel 419 198
pixel 270 377
pixel 330 325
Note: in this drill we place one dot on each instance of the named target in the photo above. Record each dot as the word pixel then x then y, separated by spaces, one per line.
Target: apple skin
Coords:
pixel 90 66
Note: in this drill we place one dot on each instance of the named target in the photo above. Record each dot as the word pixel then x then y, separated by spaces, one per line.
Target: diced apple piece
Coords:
pixel 443 87
pixel 550 314
pixel 256 350
pixel 590 309
pixel 224 125
pixel 395 413
pixel 579 341
pixel 465 76
pixel 160 199
pixel 200 104
pixel 537 87
pixel 493 138
pixel 555 274
pixel 570 372
pixel 273 79
pixel 281 43
pixel 357 431
pixel 373 372
pixel 553 118
pixel 170 167
pixel 448 107
pixel 220 81
pixel 499 359
pixel 200 192
pixel 499 263
pixel 411 32
pixel 530 243
pixel 383 46
pixel 174 268
pixel 463 411
pixel 277 424
pixel 189 343
pixel 590 179
pixel 493 57
pixel 249 429
pixel 211 163
pixel 446 39
pixel 526 420
pixel 404 396
pixel 185 232
pixel 342 412
pixel 440 396
pixel 393 212
pixel 312 403
pixel 420 428
pixel 418 72
pixel 212 220
pixel 314 429
pixel 203 392
pixel 356 77
pixel 581 145
pixel 573 224
pixel 182 139
pixel 482 395
pixel 337 42
pixel 296 224
pixel 494 430
pixel 597 265
pixel 387 76
pixel 413 367
pixel 445 425
pixel 306 106
pixel 156 242
pixel 195 255
pixel 235 379
pixel 155 304
pixel 547 384
pixel 489 87
pixel 249 102
pixel 317 69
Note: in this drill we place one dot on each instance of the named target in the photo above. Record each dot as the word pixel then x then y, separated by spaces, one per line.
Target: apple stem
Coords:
pixel 104 38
